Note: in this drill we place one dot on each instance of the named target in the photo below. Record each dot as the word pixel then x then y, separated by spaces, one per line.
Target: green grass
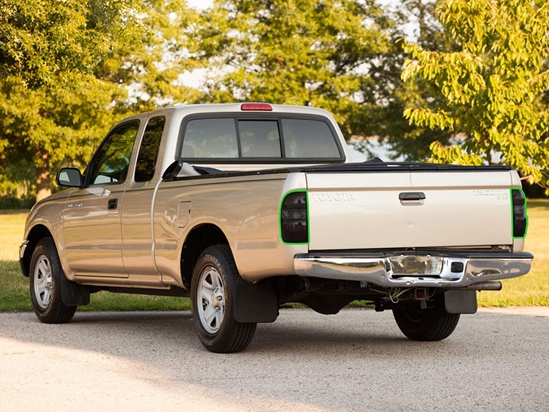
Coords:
pixel 532 289
pixel 529 290
pixel 14 289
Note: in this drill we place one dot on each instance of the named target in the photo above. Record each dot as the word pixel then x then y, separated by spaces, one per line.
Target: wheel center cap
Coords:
pixel 217 297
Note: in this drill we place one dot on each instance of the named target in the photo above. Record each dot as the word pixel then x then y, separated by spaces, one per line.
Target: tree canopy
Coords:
pixel 493 86
pixel 472 85
pixel 62 65
pixel 299 52
pixel 387 95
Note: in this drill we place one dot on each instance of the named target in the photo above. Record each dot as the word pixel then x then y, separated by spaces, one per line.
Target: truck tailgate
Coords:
pixel 399 209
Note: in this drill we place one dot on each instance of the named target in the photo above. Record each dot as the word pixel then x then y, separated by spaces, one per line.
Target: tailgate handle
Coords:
pixel 411 196
pixel 113 204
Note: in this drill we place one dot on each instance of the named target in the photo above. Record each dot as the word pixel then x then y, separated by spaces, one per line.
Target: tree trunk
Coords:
pixel 43 188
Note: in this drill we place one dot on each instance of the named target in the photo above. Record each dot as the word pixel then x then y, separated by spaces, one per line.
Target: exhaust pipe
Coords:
pixel 484 286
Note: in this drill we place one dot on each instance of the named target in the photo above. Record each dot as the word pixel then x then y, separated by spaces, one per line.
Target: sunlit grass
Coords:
pixel 529 290
pixel 532 289
pixel 14 288
pixel 12 226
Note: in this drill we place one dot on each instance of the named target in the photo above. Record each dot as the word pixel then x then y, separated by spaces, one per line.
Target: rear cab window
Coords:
pixel 273 139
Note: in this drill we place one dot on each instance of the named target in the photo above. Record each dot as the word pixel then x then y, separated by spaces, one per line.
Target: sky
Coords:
pixel 199 4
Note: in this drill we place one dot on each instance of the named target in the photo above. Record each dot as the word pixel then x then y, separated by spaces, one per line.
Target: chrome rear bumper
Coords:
pixel 378 269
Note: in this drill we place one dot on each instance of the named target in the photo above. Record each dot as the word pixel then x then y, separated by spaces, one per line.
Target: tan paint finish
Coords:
pixel 244 208
pixel 141 247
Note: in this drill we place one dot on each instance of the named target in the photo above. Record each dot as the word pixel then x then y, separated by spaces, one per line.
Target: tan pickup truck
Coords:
pixel 246 207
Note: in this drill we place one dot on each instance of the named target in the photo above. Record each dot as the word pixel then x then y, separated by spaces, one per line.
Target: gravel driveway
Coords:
pixel 496 360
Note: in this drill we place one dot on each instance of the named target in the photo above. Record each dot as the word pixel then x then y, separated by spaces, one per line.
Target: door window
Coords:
pixel 110 163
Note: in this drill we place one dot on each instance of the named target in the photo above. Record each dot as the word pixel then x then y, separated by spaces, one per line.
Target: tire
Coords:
pixel 212 302
pixel 46 276
pixel 431 324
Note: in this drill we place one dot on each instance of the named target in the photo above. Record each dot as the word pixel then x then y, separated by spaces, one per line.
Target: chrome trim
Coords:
pixel 378 270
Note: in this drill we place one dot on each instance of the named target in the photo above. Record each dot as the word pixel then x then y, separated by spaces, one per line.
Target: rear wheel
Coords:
pixel 46 276
pixel 429 324
pixel 212 301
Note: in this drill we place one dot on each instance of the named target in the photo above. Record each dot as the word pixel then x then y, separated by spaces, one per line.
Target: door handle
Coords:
pixel 113 204
pixel 411 196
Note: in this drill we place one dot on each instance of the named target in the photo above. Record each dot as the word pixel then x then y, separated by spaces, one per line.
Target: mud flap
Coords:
pixel 255 303
pixel 460 301
pixel 74 294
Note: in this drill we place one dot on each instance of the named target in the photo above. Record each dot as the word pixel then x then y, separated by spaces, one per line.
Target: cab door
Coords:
pixel 92 215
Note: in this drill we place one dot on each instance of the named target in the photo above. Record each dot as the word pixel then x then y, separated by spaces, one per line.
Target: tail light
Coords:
pixel 520 216
pixel 293 218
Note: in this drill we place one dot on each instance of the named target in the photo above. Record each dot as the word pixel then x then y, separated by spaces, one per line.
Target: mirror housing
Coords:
pixel 69 177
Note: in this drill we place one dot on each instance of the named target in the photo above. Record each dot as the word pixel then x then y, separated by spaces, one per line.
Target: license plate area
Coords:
pixel 416 265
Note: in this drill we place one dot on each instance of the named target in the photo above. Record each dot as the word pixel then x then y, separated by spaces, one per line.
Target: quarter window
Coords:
pixel 148 152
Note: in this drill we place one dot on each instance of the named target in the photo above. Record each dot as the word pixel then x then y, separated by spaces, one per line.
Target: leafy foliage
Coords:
pixel 62 65
pixel 388 95
pixel 300 52
pixel 492 86
pixel 70 68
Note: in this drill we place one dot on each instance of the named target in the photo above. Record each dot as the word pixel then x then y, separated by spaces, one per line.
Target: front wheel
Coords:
pixel 429 324
pixel 212 302
pixel 46 276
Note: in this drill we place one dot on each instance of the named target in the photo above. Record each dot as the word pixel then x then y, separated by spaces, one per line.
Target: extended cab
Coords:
pixel 246 207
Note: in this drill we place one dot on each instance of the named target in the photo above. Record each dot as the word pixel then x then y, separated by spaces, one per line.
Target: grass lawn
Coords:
pixel 529 290
pixel 532 289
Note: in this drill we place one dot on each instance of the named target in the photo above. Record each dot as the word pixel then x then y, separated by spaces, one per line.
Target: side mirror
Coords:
pixel 69 177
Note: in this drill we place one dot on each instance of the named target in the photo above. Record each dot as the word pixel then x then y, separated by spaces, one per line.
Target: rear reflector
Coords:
pixel 257 106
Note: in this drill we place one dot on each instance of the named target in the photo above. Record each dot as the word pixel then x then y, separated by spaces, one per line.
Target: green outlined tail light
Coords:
pixel 293 218
pixel 520 216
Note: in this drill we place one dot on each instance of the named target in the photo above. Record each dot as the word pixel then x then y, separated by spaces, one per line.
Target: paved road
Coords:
pixel 354 361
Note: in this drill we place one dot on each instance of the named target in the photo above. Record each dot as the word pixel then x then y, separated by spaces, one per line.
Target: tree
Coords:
pixel 63 68
pixel 387 95
pixel 302 52
pixel 492 86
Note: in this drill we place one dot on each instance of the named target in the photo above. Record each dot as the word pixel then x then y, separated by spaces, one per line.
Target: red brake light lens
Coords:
pixel 257 106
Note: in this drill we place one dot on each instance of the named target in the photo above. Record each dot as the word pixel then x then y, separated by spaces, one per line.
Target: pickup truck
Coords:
pixel 247 207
